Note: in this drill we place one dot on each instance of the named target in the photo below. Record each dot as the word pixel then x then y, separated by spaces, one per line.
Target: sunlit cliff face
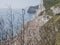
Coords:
pixel 56 10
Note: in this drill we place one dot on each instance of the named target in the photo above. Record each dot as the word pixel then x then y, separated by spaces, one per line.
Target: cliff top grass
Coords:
pixel 50 3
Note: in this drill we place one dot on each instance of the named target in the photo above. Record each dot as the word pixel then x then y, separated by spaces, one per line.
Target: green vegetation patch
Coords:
pixel 50 3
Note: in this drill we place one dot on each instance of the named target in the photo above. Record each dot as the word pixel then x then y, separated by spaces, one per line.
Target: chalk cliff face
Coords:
pixel 56 9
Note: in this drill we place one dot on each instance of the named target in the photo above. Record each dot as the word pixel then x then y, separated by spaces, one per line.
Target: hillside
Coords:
pixel 51 30
pixel 44 28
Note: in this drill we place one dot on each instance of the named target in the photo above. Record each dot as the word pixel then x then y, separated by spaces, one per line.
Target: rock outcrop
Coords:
pixel 32 9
